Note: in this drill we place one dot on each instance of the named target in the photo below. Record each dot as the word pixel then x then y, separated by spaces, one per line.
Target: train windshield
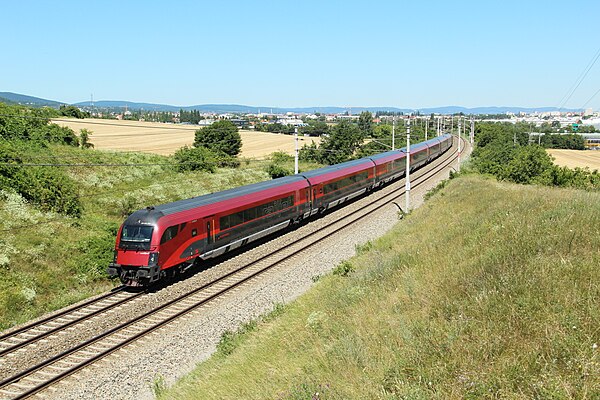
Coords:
pixel 136 237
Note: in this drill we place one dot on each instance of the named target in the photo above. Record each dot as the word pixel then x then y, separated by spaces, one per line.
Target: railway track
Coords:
pixel 31 333
pixel 47 373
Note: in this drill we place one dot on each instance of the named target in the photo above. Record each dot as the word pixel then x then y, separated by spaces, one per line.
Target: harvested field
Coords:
pixel 165 139
pixel 576 158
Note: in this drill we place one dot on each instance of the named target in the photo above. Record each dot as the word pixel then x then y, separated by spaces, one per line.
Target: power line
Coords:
pixel 579 80
pixel 590 99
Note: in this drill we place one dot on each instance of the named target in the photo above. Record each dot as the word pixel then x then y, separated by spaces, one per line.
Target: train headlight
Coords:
pixel 115 253
pixel 153 259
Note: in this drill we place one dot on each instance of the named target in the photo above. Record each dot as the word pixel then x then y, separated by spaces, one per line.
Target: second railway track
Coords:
pixel 44 374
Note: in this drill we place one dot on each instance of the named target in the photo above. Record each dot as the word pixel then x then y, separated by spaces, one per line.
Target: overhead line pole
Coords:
pixel 407 192
pixel 394 132
pixel 458 167
pixel 296 153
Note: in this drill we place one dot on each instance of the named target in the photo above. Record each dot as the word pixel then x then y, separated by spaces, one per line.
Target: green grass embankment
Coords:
pixel 489 290
pixel 48 260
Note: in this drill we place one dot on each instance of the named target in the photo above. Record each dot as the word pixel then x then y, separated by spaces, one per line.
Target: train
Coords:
pixel 159 242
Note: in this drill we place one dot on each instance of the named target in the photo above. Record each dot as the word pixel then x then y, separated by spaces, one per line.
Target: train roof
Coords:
pixel 150 215
pixel 335 167
pixel 388 154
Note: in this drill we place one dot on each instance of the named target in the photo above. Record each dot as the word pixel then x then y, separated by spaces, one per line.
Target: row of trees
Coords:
pixel 192 116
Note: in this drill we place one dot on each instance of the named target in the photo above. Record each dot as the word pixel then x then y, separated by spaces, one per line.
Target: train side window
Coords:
pixel 236 219
pixel 224 222
pixel 249 214
pixel 182 226
pixel 194 232
pixel 169 234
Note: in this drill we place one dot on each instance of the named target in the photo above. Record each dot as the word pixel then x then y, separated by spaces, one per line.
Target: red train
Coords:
pixel 160 241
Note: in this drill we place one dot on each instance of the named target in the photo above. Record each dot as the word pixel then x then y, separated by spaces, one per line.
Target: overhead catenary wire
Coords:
pixel 590 99
pixel 578 81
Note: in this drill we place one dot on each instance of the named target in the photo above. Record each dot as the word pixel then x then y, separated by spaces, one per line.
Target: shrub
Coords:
pixel 195 159
pixel 84 135
pixel 281 157
pixel 528 163
pixel 227 161
pixel 277 171
pixel 48 187
pixel 343 269
pixel 95 253
pixel 56 134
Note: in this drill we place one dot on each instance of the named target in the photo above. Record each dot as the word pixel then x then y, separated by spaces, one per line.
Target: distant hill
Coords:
pixel 243 109
pixel 15 98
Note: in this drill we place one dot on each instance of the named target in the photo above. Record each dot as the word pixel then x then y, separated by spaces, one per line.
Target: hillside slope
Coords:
pixel 490 290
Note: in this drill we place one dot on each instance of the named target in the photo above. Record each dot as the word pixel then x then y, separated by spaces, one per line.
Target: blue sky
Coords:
pixel 303 53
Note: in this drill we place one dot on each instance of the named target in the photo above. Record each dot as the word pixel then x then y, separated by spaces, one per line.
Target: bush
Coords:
pixel 528 163
pixel 195 159
pixel 95 253
pixel 343 269
pixel 49 187
pixel 84 135
pixel 277 171
pixel 226 161
pixel 281 157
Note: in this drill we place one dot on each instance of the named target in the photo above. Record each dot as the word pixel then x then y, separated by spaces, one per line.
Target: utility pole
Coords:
pixel 458 168
pixel 472 130
pixel 394 132
pixel 296 154
pixel 426 126
pixel 407 186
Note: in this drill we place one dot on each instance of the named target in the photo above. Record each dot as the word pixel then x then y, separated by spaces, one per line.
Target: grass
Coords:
pixel 489 291
pixel 48 261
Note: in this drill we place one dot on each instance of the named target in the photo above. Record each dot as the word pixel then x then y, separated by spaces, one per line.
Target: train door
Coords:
pixel 210 231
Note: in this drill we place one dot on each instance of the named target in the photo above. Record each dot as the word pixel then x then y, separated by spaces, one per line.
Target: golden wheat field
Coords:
pixel 576 158
pixel 165 139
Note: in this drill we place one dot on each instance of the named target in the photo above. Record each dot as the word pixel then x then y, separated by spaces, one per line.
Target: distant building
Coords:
pixel 291 122
pixel 240 123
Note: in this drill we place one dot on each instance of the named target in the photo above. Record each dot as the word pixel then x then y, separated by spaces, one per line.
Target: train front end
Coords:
pixel 135 260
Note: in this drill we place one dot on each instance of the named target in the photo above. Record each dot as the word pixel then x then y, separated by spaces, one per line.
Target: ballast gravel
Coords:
pixel 173 351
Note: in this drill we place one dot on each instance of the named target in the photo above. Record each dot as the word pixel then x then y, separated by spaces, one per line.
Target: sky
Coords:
pixel 407 54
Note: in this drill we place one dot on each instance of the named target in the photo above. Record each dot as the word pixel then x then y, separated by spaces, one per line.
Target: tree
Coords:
pixel 341 143
pixel 71 111
pixel 84 139
pixel 222 136
pixel 365 123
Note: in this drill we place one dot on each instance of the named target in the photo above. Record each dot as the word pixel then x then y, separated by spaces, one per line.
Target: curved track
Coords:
pixel 43 375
